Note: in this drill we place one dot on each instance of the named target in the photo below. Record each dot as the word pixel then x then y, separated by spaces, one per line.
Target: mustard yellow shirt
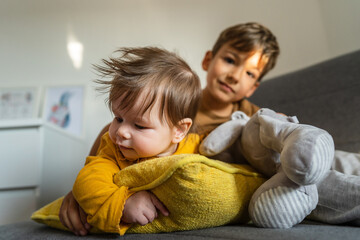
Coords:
pixel 96 192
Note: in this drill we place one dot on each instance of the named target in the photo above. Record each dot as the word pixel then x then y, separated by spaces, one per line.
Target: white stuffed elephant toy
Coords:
pixel 293 156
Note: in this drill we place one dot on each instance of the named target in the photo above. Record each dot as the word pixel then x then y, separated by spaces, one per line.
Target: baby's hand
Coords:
pixel 142 208
pixel 73 216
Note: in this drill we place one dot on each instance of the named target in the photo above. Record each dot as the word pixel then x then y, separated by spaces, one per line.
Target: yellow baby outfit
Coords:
pixel 96 192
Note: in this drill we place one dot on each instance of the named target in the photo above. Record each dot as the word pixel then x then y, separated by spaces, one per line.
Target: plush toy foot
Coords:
pixel 280 203
pixel 306 152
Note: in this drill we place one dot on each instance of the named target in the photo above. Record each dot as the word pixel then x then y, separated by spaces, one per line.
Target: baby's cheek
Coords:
pixel 112 136
pixel 148 148
pixel 112 132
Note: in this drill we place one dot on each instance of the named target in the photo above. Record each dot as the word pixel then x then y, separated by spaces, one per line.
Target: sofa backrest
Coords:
pixel 326 95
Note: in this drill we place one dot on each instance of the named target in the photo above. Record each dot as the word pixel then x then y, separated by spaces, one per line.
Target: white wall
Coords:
pixel 34 35
pixel 342 25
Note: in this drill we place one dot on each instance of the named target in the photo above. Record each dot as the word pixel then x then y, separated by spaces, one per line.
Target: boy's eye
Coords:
pixel 119 119
pixel 229 60
pixel 250 74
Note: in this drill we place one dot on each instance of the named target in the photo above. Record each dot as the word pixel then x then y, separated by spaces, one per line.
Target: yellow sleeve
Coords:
pixel 96 192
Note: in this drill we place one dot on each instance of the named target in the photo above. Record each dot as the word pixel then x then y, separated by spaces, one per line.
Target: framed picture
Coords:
pixel 63 107
pixel 19 103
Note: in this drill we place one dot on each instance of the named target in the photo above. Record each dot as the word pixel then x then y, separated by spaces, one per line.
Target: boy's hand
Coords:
pixel 142 208
pixel 73 216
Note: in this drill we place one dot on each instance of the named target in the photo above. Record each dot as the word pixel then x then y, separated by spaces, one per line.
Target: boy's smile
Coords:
pixel 231 75
pixel 225 87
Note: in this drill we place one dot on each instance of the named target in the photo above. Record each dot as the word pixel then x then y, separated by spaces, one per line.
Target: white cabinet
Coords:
pixel 20 163
pixel 17 204
pixel 38 164
pixel 63 157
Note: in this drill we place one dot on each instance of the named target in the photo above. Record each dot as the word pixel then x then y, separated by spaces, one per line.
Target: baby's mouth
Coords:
pixel 124 148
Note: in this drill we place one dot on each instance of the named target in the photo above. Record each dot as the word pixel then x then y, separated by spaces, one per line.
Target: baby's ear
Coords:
pixel 182 129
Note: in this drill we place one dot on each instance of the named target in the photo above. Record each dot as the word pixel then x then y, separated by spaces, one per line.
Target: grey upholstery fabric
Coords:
pixel 326 95
pixel 306 230
pixel 352 164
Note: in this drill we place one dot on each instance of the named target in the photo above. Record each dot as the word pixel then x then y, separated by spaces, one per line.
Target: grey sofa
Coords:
pixel 326 95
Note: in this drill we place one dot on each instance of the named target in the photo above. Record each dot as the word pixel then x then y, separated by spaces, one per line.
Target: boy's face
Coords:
pixel 232 75
pixel 140 136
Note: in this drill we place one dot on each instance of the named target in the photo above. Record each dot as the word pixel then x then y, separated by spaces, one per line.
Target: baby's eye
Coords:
pixel 139 126
pixel 229 60
pixel 119 119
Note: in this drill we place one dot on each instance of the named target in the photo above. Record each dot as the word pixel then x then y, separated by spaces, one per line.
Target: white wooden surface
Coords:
pixel 17 205
pixel 20 161
pixel 38 164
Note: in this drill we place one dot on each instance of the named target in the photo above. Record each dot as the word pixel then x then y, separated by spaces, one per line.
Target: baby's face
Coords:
pixel 141 136
pixel 232 75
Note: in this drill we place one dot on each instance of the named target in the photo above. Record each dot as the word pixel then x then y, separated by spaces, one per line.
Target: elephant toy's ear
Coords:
pixel 224 136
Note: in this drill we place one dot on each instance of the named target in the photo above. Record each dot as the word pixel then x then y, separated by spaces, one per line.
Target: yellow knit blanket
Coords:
pixel 198 192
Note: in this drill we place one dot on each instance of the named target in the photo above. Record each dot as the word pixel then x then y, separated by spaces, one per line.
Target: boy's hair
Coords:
pixel 160 75
pixel 250 37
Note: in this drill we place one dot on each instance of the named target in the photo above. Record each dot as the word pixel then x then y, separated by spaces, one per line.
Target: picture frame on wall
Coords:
pixel 19 103
pixel 63 107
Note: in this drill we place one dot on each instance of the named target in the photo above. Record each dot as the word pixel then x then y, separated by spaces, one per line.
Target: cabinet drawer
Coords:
pixel 17 205
pixel 20 157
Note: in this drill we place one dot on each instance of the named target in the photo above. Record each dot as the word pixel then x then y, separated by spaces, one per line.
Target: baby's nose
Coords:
pixel 123 133
pixel 127 135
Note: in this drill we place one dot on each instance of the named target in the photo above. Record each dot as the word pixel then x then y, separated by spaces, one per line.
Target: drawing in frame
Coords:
pixel 19 103
pixel 63 107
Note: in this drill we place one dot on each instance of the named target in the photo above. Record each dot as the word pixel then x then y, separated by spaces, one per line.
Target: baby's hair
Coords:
pixel 159 74
pixel 248 38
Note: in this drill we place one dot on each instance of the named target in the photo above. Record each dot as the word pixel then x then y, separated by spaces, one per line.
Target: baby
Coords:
pixel 154 97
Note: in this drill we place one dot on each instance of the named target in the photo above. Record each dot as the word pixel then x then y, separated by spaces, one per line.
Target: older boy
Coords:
pixel 240 58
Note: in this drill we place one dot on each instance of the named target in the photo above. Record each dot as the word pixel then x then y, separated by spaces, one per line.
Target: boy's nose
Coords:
pixel 235 75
